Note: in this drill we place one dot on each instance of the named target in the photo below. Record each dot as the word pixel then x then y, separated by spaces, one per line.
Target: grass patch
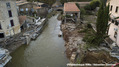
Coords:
pixel 90 18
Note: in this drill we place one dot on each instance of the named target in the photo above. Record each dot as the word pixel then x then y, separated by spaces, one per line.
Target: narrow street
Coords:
pixel 47 51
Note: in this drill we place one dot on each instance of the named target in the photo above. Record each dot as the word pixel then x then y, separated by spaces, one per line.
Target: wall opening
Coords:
pixel 2 35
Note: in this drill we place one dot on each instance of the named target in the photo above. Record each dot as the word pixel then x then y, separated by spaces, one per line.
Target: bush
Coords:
pixel 89 13
pixel 90 39
pixel 89 25
pixel 87 7
pixel 83 30
pixel 83 11
pixel 68 16
pixel 94 4
pixel 61 12
pixel 78 5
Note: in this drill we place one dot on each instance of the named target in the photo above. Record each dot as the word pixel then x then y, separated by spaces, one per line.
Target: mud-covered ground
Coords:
pixel 73 42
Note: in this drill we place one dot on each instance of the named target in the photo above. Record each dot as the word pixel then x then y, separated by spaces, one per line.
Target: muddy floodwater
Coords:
pixel 47 51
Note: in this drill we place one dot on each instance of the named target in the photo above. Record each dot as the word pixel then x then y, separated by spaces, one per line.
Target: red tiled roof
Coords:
pixel 71 7
pixel 37 8
pixel 80 2
pixel 22 19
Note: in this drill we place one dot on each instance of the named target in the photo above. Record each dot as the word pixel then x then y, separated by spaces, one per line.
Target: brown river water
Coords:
pixel 47 51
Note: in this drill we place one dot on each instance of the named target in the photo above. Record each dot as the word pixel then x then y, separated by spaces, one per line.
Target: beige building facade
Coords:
pixel 25 7
pixel 9 23
pixel 114 21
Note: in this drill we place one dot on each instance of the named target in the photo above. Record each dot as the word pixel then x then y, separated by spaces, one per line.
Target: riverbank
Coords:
pixel 72 38
pixel 17 40
pixel 78 51
pixel 21 39
pixel 14 42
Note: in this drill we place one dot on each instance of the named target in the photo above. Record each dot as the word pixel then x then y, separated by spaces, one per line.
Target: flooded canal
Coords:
pixel 46 51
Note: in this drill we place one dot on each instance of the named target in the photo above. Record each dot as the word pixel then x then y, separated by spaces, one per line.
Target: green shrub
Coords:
pixel 83 11
pixel 87 7
pixel 68 16
pixel 83 30
pixel 78 5
pixel 94 4
pixel 89 13
pixel 89 25
pixel 61 12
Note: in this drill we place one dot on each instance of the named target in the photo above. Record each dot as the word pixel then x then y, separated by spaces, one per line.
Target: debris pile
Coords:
pixel 72 38
pixel 75 47
pixel 99 57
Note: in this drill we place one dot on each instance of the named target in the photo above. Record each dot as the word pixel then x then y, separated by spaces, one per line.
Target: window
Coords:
pixel 12 23
pixel 10 13
pixel 112 21
pixel 33 20
pixel 111 8
pixel 26 9
pixel 115 35
pixel 21 9
pixel 8 5
pixel 116 9
pixel 0 26
pixel 1 35
pixel 116 23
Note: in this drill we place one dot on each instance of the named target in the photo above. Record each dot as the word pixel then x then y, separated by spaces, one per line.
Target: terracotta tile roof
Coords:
pixel 21 3
pixel 81 3
pixel 71 7
pixel 37 8
pixel 38 3
pixel 22 19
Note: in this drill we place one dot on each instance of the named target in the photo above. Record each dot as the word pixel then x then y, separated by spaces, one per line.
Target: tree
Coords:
pixel 87 7
pixel 78 5
pixel 100 20
pixel 50 2
pixel 102 23
pixel 94 4
pixel 95 38
pixel 106 18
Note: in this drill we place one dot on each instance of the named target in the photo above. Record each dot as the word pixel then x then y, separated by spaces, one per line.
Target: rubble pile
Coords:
pixel 75 47
pixel 99 57
pixel 72 38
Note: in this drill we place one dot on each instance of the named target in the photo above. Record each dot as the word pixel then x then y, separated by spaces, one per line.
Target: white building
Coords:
pixel 114 22
pixel 9 23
